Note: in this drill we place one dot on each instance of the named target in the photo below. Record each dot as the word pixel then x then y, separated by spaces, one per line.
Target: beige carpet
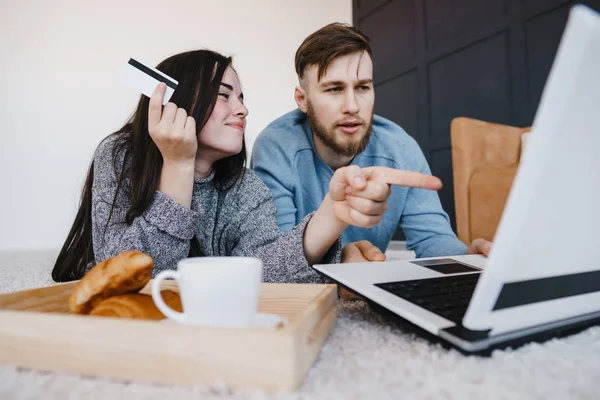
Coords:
pixel 364 358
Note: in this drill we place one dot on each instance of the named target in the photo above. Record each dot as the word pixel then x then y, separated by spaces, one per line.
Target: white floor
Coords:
pixel 397 251
pixel 365 357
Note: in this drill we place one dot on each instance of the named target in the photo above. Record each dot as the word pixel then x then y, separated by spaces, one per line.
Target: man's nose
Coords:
pixel 350 104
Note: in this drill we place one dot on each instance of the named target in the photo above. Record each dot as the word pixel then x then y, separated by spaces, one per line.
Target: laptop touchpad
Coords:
pixel 446 266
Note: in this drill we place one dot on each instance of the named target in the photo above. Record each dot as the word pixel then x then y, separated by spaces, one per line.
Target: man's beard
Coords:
pixel 328 136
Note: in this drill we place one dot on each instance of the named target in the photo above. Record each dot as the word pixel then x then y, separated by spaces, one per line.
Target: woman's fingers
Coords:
pixel 364 221
pixel 190 126
pixel 399 177
pixel 155 106
pixel 366 206
pixel 168 116
pixel 173 131
pixel 360 195
pixel 375 190
pixel 342 178
pixel 179 123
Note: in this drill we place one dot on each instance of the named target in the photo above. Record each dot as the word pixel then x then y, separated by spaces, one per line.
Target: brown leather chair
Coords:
pixel 485 158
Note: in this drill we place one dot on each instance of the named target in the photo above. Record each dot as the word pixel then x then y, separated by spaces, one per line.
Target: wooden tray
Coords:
pixel 37 331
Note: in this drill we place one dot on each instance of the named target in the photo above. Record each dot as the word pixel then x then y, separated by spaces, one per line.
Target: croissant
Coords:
pixel 127 272
pixel 136 306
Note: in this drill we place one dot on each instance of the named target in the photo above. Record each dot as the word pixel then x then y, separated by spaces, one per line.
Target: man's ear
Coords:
pixel 300 97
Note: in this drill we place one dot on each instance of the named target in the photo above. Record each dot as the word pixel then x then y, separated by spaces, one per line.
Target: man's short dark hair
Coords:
pixel 328 43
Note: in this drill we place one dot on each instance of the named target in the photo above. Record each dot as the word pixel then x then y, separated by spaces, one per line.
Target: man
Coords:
pixel 335 126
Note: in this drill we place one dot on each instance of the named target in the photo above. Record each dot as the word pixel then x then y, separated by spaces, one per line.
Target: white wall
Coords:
pixel 60 93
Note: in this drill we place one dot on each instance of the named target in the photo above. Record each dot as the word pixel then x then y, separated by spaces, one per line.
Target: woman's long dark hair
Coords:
pixel 199 74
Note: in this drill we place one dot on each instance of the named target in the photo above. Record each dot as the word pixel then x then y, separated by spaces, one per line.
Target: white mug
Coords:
pixel 215 291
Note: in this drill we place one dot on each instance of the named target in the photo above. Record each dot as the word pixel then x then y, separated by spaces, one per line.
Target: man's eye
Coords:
pixel 225 95
pixel 334 90
pixel 364 88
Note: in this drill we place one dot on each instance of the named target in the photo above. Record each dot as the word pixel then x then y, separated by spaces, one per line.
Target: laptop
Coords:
pixel 542 277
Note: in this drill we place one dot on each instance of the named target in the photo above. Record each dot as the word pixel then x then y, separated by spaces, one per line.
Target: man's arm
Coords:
pixel 274 166
pixel 425 223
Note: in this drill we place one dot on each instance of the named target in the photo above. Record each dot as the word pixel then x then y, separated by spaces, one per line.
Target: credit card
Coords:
pixel 143 78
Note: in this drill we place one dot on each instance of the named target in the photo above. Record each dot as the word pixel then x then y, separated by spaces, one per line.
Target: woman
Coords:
pixel 172 183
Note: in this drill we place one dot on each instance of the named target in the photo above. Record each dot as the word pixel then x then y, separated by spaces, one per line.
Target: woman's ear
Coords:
pixel 300 97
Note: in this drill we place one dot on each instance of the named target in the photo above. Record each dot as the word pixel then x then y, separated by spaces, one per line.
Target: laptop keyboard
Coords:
pixel 448 297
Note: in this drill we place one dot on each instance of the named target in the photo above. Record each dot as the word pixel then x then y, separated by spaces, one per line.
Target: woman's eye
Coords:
pixel 224 95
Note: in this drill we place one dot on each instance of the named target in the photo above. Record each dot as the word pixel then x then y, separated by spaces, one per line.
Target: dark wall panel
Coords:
pixel 362 7
pixel 397 100
pixel 535 7
pixel 474 81
pixel 451 24
pixel 392 32
pixel 542 37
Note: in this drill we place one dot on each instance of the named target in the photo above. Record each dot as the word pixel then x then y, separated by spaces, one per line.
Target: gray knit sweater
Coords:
pixel 237 222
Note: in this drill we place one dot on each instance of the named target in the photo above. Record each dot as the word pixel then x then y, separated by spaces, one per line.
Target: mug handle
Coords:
pixel 158 300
